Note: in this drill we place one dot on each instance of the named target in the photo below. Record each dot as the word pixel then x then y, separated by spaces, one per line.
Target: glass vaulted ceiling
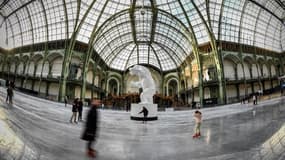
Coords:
pixel 157 37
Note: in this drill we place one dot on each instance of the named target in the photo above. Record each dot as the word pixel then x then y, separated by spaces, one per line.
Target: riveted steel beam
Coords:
pixel 154 19
pixel 267 10
pixel 217 56
pixel 132 18
pixel 155 54
pixel 16 10
pixel 3 3
pixel 69 51
pixel 240 53
pixel 169 55
pixel 46 43
pixel 193 39
pixel 31 48
pixel 126 64
pixel 121 48
pixel 255 50
pixel 88 56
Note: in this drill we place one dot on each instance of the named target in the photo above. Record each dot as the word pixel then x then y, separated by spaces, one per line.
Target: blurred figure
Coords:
pixel 9 95
pixel 253 112
pixel 74 110
pixel 198 120
pixel 145 113
pixel 65 100
pixel 89 133
pixel 80 109
pixel 7 83
pixel 193 105
pixel 12 84
pixel 254 98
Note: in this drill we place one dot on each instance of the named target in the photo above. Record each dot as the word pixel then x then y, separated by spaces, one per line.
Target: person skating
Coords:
pixel 254 99
pixel 9 95
pixel 145 113
pixel 74 111
pixel 90 130
pixel 80 109
pixel 198 120
pixel 65 101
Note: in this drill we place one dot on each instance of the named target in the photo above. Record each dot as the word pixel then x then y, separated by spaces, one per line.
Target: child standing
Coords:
pixel 198 120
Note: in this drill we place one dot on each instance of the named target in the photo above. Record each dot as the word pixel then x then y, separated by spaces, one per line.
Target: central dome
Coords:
pixel 144 36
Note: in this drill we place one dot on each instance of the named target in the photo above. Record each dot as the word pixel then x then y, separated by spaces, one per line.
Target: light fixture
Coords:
pixel 142 10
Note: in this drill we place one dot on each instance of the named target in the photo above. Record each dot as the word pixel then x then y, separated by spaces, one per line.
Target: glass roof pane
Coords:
pixel 38 20
pixel 249 23
pixel 195 20
pixel 153 58
pixel 143 54
pixel 231 20
pixel 56 19
pixel 261 28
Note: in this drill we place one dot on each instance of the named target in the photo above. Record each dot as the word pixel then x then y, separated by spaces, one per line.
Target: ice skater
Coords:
pixel 9 95
pixel 145 113
pixel 198 120
pixel 254 98
pixel 80 109
pixel 74 111
pixel 65 100
pixel 89 133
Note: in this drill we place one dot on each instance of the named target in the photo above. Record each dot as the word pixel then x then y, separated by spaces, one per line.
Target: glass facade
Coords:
pixel 153 32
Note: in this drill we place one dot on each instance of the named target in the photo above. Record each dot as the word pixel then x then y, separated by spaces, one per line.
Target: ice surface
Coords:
pixel 40 130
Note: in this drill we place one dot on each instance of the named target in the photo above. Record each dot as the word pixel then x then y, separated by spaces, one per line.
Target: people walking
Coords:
pixel 198 121
pixel 145 113
pixel 9 95
pixel 74 111
pixel 90 130
pixel 80 109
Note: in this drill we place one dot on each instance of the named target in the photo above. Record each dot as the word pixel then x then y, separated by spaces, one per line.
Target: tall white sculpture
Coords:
pixel 145 82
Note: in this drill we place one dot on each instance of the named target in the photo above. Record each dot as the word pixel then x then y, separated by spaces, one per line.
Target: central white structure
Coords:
pixel 147 84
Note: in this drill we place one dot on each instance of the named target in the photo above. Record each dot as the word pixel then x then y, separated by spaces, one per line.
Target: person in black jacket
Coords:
pixel 74 110
pixel 80 108
pixel 89 133
pixel 145 113
pixel 9 95
pixel 65 101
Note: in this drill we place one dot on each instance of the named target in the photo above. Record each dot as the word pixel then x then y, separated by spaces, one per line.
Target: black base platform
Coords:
pixel 141 118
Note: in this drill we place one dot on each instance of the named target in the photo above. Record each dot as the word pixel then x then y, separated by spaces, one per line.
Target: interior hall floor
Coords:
pixel 38 129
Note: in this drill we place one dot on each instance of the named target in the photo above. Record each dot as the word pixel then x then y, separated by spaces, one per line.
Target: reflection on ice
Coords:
pixel 11 146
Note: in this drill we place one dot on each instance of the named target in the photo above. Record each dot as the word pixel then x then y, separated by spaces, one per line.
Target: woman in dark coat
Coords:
pixel 89 133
